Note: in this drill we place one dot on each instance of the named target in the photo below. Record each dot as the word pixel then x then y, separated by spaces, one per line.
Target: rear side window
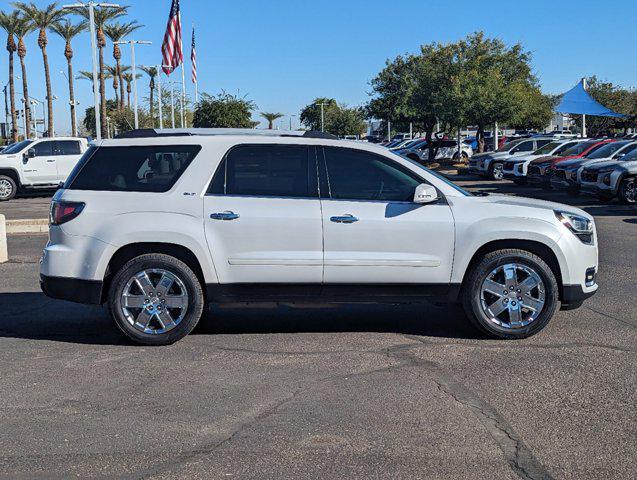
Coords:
pixel 266 171
pixel 132 169
pixel 67 147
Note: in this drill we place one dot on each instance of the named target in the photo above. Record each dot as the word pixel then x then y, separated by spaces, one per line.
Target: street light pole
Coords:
pixel 133 67
pixel 6 112
pixel 91 15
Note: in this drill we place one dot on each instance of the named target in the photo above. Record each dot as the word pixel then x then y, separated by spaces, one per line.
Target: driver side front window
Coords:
pixel 359 175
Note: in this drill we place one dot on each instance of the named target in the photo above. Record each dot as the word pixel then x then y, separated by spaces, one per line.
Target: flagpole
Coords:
pixel 183 96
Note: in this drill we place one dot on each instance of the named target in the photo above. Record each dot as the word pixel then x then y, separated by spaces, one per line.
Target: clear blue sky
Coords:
pixel 284 53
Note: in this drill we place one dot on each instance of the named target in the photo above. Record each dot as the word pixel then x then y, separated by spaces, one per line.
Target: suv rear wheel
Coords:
pixel 510 294
pixel 8 188
pixel 627 192
pixel 156 299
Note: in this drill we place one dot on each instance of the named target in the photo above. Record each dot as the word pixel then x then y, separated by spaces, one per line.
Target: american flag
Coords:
pixel 193 58
pixel 171 51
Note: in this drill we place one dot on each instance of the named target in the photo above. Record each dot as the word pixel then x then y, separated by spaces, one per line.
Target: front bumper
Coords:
pixel 72 289
pixel 564 180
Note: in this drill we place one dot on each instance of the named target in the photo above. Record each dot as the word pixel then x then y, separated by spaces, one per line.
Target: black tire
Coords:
pixel 627 191
pixel 463 154
pixel 520 181
pixel 495 171
pixel 195 304
pixel 8 188
pixel 471 294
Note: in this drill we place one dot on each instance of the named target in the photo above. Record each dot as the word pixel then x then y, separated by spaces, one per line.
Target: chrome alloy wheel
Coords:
pixel 630 192
pixel 6 189
pixel 512 296
pixel 154 301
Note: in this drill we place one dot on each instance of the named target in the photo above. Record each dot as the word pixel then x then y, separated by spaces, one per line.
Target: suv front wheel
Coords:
pixel 510 294
pixel 156 299
pixel 627 192
pixel 495 171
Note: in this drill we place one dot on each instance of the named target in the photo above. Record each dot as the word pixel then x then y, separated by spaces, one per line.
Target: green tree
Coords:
pixel 152 74
pixel 224 111
pixel 89 116
pixel 347 121
pixel 311 114
pixel 128 78
pixel 43 19
pixel 68 30
pixel 112 72
pixel 271 118
pixel 489 75
pixel 9 22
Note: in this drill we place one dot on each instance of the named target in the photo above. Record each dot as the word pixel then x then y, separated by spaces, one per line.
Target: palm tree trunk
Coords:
pixel 103 125
pixel 152 104
pixel 49 96
pixel 72 98
pixel 121 84
pixel 14 115
pixel 25 94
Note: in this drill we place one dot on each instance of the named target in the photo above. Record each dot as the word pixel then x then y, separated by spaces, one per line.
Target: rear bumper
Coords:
pixel 72 289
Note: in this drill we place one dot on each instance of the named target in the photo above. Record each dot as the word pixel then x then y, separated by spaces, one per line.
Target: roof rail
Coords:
pixel 181 132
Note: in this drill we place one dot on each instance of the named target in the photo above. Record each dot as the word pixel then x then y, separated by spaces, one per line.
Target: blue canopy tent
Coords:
pixel 577 101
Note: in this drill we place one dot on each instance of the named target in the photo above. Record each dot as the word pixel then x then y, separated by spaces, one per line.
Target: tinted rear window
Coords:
pixel 132 169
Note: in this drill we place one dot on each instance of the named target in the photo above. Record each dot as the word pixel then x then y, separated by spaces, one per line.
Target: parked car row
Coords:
pixel 603 167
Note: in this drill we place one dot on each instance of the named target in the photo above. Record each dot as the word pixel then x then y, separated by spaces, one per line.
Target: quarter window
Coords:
pixel 266 171
pixel 131 169
pixel 67 147
pixel 359 175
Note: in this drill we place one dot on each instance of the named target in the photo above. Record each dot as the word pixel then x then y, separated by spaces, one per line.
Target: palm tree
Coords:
pixel 22 28
pixel 43 19
pixel 67 30
pixel 152 73
pixel 9 22
pixel 117 31
pixel 112 73
pixel 128 78
pixel 102 16
pixel 271 117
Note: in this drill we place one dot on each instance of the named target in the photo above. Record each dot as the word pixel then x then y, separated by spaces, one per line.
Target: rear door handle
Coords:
pixel 347 218
pixel 227 215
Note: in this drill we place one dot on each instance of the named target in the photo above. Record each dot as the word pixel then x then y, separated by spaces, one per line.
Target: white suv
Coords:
pixel 39 163
pixel 162 223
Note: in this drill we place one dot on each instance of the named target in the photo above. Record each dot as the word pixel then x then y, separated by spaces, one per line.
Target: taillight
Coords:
pixel 62 212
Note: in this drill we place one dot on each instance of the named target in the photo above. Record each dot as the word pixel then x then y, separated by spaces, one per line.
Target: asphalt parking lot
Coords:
pixel 289 391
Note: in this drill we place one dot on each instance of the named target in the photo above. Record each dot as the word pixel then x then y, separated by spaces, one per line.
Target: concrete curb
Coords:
pixel 30 225
pixel 4 253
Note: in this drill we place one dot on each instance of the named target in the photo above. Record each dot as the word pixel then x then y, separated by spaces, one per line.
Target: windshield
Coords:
pixel 16 147
pixel 607 150
pixel 440 177
pixel 508 146
pixel 546 149
pixel 577 149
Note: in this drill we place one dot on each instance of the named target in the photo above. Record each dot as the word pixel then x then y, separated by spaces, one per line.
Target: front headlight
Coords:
pixel 580 226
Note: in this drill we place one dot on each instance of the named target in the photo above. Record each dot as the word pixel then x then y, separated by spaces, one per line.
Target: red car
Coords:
pixel 540 169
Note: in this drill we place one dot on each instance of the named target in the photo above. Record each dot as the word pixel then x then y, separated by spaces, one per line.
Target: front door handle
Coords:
pixel 227 215
pixel 347 218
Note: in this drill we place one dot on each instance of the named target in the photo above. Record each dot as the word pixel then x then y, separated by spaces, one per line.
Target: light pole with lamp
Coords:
pixel 291 121
pixel 132 44
pixel 91 15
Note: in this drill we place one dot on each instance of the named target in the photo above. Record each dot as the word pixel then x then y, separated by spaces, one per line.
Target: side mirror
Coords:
pixel 31 152
pixel 425 194
pixel 620 156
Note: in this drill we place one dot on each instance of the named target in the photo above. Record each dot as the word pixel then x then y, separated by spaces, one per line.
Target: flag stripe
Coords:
pixel 171 48
pixel 193 58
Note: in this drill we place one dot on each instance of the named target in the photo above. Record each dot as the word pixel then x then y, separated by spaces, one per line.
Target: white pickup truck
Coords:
pixel 38 164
